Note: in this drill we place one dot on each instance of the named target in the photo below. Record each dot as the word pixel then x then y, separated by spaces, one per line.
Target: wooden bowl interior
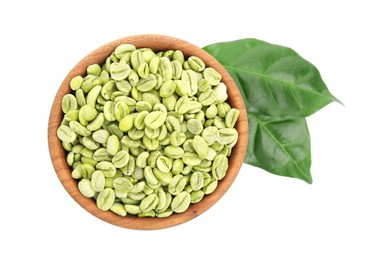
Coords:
pixel 58 155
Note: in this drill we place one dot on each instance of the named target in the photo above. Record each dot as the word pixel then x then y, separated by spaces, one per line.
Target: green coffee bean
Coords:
pixel 219 122
pixel 219 166
pixel 107 168
pixel 85 188
pixel 193 82
pixel 123 49
pixel 121 110
pixel 211 153
pixel 150 144
pixel 135 134
pixel 113 145
pixel 87 152
pixel 72 115
pixel 181 202
pixel 231 117
pixel 149 189
pixel 191 159
pixel 177 166
pixel 227 135
pixel 153 65
pixel 174 152
pixel 124 86
pixel 164 164
pixel 104 76
pixel 138 187
pixel 77 148
pixel 105 199
pixel 69 102
pixel 220 93
pixel 183 85
pixel 66 145
pixel 143 106
pixel 90 143
pixel 177 69
pixel 131 166
pixel 89 82
pixel 132 209
pixel 166 68
pixel 207 98
pixel 147 83
pixel 196 196
pixel 116 94
pixel 194 126
pixel 212 76
pixel 76 82
pixel 168 88
pixel 66 134
pixel 79 96
pixel 143 70
pixel 137 196
pixel 141 160
pixel 77 128
pixel 98 181
pixel 149 203
pixel 177 184
pixel 163 133
pixel 126 123
pixel 203 85
pixel 94 69
pixel 164 177
pixel 195 107
pixel 211 187
pixel 119 71
pixel 119 209
pixel 122 186
pixel 173 124
pixel 133 78
pixel 149 176
pixel 109 111
pixel 196 64
pixel 113 129
pixel 155 119
pixel 100 136
pixel 169 102
pixel 70 158
pixel 87 113
pixel 96 123
pixel 137 59
pixel 101 154
pixel 139 120
pixel 177 138
pixel 200 146
pixel 120 159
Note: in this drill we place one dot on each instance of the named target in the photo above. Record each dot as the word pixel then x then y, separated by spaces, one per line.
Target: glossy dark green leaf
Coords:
pixel 280 146
pixel 273 80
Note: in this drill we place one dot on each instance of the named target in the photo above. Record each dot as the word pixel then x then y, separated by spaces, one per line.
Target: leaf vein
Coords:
pixel 274 79
pixel 278 142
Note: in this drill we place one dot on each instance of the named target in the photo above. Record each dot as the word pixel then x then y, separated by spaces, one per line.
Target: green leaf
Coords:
pixel 279 89
pixel 273 80
pixel 280 146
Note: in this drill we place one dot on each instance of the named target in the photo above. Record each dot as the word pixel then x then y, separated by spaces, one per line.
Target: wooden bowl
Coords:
pixel 58 154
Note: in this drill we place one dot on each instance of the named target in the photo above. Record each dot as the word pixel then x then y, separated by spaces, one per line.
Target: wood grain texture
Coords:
pixel 58 155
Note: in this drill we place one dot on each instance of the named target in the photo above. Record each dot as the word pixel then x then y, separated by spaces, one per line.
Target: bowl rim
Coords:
pixel 157 43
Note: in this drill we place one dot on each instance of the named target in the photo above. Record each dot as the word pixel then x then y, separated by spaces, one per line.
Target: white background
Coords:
pixel 262 216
